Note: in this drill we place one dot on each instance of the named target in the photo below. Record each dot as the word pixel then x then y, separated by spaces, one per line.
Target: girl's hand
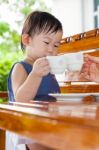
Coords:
pixel 41 67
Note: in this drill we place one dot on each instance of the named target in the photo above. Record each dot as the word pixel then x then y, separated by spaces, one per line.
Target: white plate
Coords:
pixel 76 97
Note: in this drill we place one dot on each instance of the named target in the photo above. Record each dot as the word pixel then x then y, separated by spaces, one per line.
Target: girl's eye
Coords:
pixel 56 45
pixel 46 42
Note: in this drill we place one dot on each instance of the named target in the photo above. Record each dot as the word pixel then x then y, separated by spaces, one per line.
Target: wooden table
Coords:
pixel 58 125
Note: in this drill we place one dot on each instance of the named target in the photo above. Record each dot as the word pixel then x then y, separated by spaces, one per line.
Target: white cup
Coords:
pixel 57 64
pixel 74 61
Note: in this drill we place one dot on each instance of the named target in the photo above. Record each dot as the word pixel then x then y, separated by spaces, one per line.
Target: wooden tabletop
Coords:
pixel 58 125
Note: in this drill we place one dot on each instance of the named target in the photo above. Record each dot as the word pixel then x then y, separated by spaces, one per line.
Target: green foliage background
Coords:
pixel 10 51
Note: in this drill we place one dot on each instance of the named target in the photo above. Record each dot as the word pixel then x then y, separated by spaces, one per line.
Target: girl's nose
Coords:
pixel 50 49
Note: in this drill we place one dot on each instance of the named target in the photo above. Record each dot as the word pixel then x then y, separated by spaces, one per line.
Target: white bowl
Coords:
pixel 57 70
pixel 74 67
pixel 57 64
pixel 74 61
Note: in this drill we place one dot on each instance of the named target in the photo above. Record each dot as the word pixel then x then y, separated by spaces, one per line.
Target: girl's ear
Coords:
pixel 25 39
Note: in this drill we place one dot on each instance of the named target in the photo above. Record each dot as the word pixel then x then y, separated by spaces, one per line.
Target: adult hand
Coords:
pixel 90 69
pixel 92 58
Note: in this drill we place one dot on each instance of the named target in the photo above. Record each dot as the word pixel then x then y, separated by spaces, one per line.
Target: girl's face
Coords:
pixel 43 44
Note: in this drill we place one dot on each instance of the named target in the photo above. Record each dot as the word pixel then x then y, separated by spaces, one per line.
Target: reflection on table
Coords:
pixel 58 125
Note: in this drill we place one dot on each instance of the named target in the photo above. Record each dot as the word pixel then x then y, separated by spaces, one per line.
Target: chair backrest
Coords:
pixel 3 95
pixel 87 42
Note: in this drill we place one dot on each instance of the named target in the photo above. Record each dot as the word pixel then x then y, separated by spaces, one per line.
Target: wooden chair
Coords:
pixel 3 95
pixel 87 42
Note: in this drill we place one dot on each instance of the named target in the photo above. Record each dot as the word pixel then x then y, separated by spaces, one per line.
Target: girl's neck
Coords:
pixel 29 60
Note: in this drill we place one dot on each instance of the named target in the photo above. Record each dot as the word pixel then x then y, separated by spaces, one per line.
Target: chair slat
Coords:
pixel 3 94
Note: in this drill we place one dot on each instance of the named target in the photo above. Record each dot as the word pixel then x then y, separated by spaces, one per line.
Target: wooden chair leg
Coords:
pixel 2 139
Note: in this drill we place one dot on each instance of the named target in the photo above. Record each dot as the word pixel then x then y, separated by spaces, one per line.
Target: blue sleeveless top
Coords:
pixel 48 85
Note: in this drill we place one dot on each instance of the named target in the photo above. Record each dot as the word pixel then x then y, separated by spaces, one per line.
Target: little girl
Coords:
pixel 30 79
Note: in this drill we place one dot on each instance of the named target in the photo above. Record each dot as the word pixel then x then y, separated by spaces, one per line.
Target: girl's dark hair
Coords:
pixel 38 22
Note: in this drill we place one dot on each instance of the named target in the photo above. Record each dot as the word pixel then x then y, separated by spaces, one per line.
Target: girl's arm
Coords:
pixel 25 86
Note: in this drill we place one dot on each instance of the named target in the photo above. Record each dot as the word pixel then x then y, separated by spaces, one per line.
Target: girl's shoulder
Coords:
pixel 22 66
